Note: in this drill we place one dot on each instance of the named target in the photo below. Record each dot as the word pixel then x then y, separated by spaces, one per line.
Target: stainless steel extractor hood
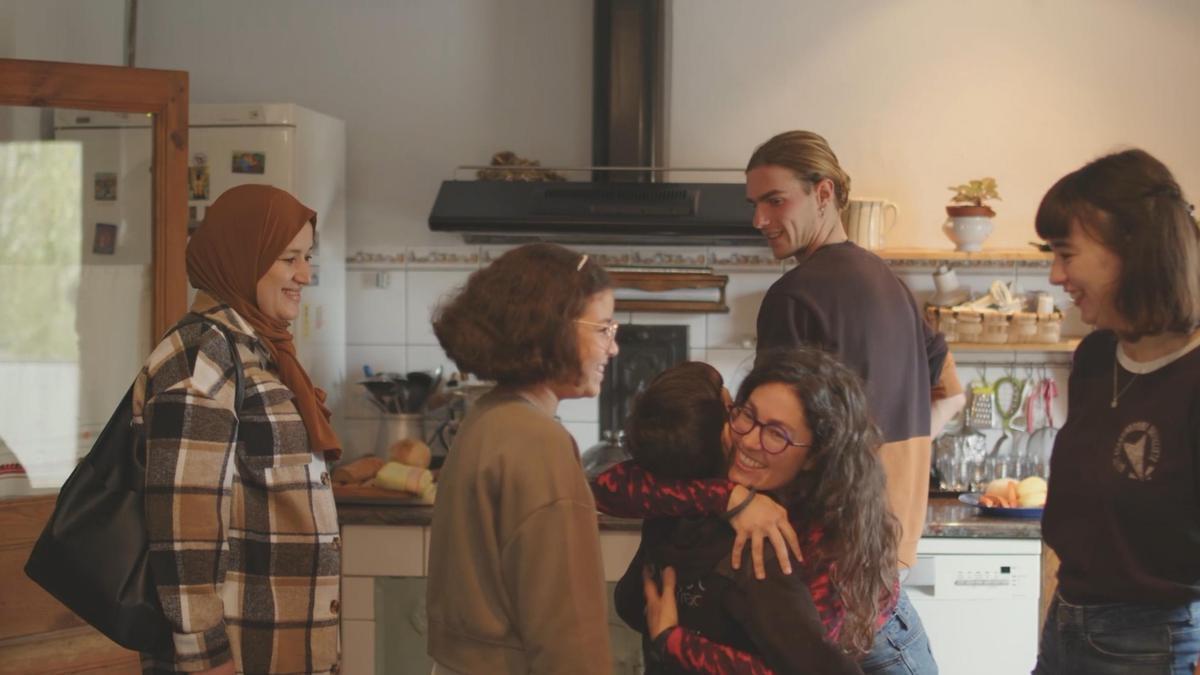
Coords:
pixel 626 206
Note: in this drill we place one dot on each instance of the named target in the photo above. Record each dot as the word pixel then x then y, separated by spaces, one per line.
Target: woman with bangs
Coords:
pixel 1123 510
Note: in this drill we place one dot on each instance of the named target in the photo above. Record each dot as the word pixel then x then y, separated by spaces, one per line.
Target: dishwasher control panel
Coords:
pixel 949 576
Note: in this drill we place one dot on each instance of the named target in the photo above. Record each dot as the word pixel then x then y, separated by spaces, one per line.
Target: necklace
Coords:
pixel 1117 394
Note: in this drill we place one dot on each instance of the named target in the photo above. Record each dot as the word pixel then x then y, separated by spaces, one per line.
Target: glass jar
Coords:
pixel 1023 328
pixel 995 328
pixel 970 326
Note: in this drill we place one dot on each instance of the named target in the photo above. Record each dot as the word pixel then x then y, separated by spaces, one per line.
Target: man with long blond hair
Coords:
pixel 846 300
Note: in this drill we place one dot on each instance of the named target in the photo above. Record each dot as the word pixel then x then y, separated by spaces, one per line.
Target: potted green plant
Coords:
pixel 970 218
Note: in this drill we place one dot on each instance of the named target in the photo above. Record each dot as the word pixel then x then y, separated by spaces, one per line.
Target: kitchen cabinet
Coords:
pixel 384 570
pixel 977 586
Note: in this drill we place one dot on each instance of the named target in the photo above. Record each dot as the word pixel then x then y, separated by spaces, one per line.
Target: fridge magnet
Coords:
pixel 249 162
pixel 105 240
pixel 105 187
pixel 198 182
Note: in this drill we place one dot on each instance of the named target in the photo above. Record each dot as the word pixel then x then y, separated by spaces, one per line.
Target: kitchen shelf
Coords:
pixel 1062 346
pixel 665 282
pixel 998 257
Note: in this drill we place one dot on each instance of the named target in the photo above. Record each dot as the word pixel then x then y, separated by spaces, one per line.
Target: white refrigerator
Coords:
pixel 285 145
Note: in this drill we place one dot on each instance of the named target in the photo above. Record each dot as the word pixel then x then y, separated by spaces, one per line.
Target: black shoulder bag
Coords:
pixel 93 555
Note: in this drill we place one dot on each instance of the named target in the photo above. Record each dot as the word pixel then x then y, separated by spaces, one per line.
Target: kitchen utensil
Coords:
pixel 979 414
pixel 420 384
pixel 376 403
pixel 400 391
pixel 383 392
pixel 1041 441
pixel 1009 393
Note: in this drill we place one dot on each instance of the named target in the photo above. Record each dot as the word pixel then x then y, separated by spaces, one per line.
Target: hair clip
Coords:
pixel 582 262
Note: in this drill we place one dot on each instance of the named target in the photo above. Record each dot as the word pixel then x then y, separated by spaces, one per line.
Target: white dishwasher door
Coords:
pixel 978 600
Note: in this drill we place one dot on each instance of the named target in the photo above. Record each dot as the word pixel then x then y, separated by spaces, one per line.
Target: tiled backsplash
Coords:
pixel 390 296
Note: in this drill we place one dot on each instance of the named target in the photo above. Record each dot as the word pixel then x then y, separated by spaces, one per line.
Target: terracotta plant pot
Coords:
pixel 961 211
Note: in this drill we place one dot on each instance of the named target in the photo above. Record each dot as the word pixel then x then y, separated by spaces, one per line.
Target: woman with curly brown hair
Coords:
pixel 799 430
pixel 515 582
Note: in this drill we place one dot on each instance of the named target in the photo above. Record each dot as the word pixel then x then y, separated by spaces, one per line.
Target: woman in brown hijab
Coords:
pixel 244 541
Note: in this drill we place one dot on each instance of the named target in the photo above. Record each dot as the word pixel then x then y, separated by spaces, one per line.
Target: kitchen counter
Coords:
pixel 947 517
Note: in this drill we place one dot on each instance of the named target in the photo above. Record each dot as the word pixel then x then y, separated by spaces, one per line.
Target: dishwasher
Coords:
pixel 978 599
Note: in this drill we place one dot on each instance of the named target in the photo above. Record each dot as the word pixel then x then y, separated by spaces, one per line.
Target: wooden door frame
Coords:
pixel 162 93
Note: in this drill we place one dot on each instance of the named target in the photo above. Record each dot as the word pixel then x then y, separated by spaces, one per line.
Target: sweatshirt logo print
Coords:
pixel 1137 451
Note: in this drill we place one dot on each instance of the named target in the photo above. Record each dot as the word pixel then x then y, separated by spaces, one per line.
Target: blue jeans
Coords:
pixel 901 646
pixel 1127 639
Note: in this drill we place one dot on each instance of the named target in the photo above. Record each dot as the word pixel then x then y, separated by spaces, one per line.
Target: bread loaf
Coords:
pixel 410 451
pixel 403 478
pixel 358 471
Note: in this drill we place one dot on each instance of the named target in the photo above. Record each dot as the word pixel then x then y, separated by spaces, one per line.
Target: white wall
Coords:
pixel 914 95
pixel 79 31
pixel 917 95
pixel 423 85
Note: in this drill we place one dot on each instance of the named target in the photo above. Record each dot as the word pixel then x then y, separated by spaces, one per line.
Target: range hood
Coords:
pixel 619 205
pixel 596 213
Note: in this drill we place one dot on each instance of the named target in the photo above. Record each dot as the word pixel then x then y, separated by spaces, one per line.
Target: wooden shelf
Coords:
pixel 998 257
pixel 664 282
pixel 1063 346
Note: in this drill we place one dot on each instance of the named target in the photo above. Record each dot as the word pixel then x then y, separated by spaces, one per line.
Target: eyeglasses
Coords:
pixel 609 328
pixel 774 438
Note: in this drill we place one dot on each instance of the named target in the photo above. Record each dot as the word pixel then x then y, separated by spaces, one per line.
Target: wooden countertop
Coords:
pixel 947 517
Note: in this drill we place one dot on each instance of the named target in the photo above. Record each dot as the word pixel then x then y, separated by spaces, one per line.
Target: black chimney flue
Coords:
pixel 627 83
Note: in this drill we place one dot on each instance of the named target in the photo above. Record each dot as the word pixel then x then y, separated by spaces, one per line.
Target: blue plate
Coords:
pixel 972 498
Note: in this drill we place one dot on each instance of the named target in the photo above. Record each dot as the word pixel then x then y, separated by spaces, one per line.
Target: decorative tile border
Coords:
pixel 444 256
pixel 751 259
pixel 969 263
pixel 362 257
pixel 729 258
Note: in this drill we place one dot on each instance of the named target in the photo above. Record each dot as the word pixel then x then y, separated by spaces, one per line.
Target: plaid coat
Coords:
pixel 244 541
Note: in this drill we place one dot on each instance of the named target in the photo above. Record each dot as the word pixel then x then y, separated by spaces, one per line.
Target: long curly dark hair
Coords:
pixel 842 488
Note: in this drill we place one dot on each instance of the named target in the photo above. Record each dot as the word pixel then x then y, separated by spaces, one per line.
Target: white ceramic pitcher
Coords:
pixel 867 222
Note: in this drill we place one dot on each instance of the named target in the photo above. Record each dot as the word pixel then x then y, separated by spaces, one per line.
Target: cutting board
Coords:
pixel 358 494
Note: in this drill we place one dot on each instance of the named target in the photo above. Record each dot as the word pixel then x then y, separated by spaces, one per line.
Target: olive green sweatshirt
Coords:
pixel 516 583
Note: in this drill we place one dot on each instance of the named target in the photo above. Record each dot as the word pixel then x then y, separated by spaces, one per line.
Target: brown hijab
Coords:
pixel 243 233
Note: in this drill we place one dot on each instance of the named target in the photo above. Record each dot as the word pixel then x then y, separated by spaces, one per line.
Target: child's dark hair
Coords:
pixel 674 429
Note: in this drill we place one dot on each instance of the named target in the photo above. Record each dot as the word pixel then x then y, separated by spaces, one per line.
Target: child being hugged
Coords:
pixel 709 617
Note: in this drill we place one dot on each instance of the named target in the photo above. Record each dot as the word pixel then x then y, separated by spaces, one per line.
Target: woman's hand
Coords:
pixel 762 519
pixel 661 612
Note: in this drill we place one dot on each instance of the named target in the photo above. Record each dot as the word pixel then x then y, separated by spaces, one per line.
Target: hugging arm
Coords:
pixel 629 491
